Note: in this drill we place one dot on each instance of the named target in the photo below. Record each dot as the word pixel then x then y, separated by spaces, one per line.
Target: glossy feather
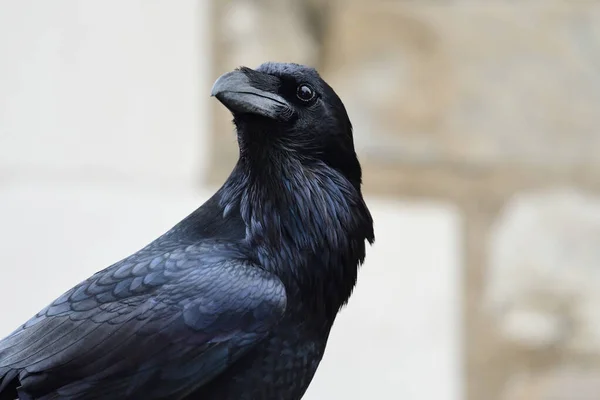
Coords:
pixel 236 301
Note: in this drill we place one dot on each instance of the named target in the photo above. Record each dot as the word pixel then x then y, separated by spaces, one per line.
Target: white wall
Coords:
pixel 102 138
pixel 109 89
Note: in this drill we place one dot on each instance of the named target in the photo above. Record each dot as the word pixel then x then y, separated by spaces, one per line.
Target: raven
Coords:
pixel 237 300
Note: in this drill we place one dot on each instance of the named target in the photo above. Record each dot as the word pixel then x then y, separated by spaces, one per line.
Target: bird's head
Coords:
pixel 288 109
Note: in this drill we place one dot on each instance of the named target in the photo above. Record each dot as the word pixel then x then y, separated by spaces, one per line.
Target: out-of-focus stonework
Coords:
pixel 476 103
pixel 489 83
pixel 567 383
pixel 543 278
pixel 541 292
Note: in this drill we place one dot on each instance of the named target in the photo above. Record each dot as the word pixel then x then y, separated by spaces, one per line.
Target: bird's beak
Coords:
pixel 237 92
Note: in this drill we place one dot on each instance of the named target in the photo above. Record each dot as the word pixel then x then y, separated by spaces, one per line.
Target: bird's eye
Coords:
pixel 305 92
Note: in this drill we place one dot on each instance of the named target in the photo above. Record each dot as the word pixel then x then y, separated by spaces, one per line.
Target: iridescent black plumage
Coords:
pixel 237 300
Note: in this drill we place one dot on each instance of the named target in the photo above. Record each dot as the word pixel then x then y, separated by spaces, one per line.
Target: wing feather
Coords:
pixel 157 324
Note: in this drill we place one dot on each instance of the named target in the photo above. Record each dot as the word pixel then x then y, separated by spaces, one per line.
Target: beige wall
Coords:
pixel 491 106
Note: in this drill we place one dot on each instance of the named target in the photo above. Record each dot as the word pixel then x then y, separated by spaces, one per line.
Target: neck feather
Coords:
pixel 308 224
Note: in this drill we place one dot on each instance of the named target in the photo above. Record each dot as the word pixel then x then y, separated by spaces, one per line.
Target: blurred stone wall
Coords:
pixel 493 106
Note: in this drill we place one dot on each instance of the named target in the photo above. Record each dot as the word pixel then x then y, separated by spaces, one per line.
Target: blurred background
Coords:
pixel 477 124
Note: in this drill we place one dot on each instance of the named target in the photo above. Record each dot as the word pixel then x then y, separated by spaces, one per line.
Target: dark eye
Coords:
pixel 305 92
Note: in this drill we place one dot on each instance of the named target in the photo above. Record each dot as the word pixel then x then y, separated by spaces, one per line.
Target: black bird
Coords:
pixel 237 300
